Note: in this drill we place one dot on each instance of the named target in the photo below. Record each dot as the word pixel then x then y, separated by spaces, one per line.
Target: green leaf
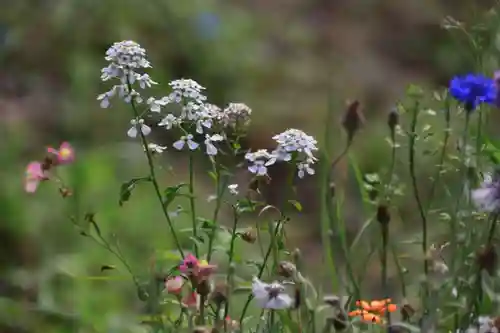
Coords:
pixel 127 188
pixel 171 193
pixel 107 268
pixel 296 204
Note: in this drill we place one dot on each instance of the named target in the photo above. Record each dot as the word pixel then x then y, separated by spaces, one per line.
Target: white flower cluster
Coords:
pixel 270 295
pixel 125 59
pixel 293 145
pixel 487 197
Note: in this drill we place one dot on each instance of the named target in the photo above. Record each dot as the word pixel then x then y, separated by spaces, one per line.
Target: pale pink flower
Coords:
pixel 192 300
pixel 65 154
pixel 174 285
pixel 34 175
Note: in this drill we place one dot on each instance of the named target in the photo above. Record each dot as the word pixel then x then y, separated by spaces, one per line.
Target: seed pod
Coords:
pixel 393 120
pixel 352 120
pixel 383 215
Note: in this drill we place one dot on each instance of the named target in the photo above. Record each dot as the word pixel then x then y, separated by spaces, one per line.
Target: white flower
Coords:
pixel 233 189
pixel 296 143
pixel 156 104
pixel 235 115
pixel 270 296
pixel 209 140
pixel 186 88
pixel 157 149
pixel 138 123
pixel 169 121
pixel 259 161
pixel 179 145
pixel 487 197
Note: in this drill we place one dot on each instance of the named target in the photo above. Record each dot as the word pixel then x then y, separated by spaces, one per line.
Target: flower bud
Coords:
pixel 286 269
pixel 249 235
pixel 383 215
pixel 353 119
pixel 219 295
pixel 393 120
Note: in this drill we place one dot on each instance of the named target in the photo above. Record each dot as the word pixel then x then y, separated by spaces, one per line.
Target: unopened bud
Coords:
pixel 353 119
pixel 286 269
pixel 407 311
pixel 393 120
pixel 219 295
pixel 383 215
pixel 65 192
pixel 204 287
pixel 249 235
pixel 296 255
pixel 332 300
pixel 339 322
pixel 487 259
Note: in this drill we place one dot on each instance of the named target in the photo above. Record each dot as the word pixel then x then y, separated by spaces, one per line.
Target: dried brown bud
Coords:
pixel 353 119
pixel 383 215
pixel 204 287
pixel 249 235
pixel 340 321
pixel 393 120
pixel 48 162
pixel 487 259
pixel 332 300
pixel 65 192
pixel 407 311
pixel 219 295
pixel 286 269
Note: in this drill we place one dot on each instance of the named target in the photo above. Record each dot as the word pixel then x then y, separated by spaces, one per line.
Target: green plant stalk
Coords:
pixel 192 203
pixel 154 180
pixel 259 275
pixel 416 194
pixel 229 278
pixel 220 189
pixel 442 156
pixel 384 230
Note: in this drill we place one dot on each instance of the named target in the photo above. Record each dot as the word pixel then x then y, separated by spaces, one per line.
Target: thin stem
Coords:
pixel 416 194
pixel 192 203
pixel 261 271
pixel 231 255
pixel 220 189
pixel 154 180
pixel 384 228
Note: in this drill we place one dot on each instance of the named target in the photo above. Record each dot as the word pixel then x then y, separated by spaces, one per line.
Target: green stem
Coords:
pixel 416 194
pixel 220 189
pixel 231 255
pixel 192 203
pixel 154 180
pixel 261 271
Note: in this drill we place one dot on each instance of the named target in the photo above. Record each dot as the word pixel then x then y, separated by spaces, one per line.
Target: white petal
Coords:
pixel 179 144
pixel 192 145
pixel 259 289
pixel 483 198
pixel 145 129
pixel 211 150
pixel 283 301
pixel 132 132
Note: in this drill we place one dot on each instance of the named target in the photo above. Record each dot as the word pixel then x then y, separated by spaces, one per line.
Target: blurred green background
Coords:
pixel 277 56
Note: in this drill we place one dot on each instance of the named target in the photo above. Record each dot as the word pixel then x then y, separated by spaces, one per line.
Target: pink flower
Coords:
pixel 198 269
pixel 65 154
pixel 189 263
pixel 174 285
pixel 192 300
pixel 34 175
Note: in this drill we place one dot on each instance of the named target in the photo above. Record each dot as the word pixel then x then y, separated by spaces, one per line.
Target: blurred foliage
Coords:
pixel 273 59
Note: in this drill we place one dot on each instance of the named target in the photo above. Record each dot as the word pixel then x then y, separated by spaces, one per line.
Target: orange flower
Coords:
pixel 372 312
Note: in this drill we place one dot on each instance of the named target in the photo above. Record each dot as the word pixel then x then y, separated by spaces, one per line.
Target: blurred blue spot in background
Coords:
pixel 207 25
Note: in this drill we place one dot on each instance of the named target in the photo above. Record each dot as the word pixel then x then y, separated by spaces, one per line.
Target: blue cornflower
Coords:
pixel 472 90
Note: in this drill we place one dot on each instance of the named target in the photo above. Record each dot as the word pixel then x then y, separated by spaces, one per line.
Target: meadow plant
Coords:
pixel 445 284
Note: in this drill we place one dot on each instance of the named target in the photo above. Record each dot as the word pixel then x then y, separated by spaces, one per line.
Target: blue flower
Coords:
pixel 472 90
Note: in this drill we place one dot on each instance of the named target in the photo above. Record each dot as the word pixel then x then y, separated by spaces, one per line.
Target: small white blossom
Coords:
pixel 295 143
pixel 259 161
pixel 157 149
pixel 270 296
pixel 209 140
pixel 124 59
pixel 233 189
pixel 170 121
pixel 235 115
pixel 186 88
pixel 192 145
pixel 138 123
pixel 155 105
pixel 487 197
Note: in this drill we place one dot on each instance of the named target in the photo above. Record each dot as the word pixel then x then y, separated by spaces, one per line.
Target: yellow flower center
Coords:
pixel 65 153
